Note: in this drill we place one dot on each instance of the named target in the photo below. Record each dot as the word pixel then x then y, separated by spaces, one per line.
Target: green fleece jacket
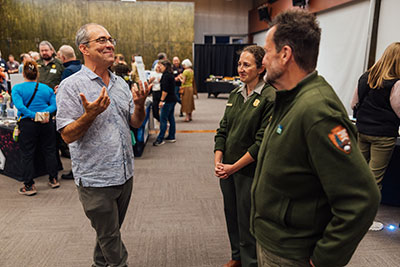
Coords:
pixel 313 194
pixel 243 124
pixel 50 74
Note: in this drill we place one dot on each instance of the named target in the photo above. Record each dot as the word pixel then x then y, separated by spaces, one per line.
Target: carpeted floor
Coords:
pixel 175 217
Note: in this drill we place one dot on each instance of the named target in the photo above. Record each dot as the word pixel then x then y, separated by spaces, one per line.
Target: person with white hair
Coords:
pixel 186 90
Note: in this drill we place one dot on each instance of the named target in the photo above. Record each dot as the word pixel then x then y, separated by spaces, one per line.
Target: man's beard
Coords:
pixel 47 58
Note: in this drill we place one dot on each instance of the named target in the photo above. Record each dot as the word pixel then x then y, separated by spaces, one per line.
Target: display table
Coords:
pixel 391 180
pixel 218 87
pixel 12 156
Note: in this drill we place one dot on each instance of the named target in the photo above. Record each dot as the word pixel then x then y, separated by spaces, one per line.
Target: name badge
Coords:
pixel 229 104
pixel 53 70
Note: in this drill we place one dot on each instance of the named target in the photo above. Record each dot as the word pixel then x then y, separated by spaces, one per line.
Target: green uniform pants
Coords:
pixel 237 204
pixel 106 208
pixel 377 150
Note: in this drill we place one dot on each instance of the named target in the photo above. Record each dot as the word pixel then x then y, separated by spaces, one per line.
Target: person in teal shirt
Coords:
pixel 236 147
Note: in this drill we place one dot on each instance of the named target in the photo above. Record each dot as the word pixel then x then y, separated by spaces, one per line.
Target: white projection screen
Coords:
pixel 343 47
pixel 388 27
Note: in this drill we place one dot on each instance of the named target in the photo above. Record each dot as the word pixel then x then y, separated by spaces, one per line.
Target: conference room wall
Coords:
pixel 146 28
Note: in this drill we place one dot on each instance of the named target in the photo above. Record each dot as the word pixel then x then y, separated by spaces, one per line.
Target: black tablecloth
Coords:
pixel 216 88
pixel 12 154
pixel 391 180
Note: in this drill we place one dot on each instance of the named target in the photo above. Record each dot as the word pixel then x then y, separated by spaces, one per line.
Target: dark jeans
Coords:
pixel 156 102
pixel 167 114
pixel 33 135
pixel 106 209
pixel 178 96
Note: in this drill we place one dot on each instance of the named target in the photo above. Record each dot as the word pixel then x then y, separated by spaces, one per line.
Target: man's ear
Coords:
pixel 286 54
pixel 84 49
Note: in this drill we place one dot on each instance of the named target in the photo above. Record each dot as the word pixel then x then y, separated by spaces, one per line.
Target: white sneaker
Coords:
pixel 376 226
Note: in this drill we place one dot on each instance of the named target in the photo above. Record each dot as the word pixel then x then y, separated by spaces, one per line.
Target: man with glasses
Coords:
pixel 95 110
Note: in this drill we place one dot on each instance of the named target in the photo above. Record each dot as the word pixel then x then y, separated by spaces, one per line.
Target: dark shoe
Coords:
pixel 170 140
pixel 28 191
pixel 53 183
pixel 181 114
pixel 233 263
pixel 68 176
pixel 158 143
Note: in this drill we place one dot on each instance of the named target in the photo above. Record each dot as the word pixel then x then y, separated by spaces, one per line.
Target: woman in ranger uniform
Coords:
pixel 236 147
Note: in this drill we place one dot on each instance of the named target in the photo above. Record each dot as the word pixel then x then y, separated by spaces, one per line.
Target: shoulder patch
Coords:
pixel 340 138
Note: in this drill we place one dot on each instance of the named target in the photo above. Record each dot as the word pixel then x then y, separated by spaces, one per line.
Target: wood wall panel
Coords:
pixel 146 28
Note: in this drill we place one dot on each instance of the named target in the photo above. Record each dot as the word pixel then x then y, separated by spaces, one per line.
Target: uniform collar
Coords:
pixel 258 89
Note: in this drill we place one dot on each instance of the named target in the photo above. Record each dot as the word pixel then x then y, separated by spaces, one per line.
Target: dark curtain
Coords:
pixel 215 59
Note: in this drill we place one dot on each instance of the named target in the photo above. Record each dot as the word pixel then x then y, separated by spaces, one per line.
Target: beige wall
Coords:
pixel 213 17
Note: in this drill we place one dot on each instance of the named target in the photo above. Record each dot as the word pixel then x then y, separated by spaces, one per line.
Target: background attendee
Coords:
pixel 71 65
pixel 35 55
pixel 160 56
pixel 378 112
pixel 2 79
pixel 24 57
pixel 155 78
pixel 177 69
pixel 186 89
pixel 121 68
pixel 95 110
pixel 50 68
pixel 313 195
pixel 12 64
pixel 4 69
pixel 167 104
pixel 30 98
pixel 246 116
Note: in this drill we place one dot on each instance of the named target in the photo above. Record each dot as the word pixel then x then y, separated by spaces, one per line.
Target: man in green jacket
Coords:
pixel 313 195
pixel 50 68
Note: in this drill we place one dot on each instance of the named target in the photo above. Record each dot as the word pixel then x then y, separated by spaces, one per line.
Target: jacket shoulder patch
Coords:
pixel 340 138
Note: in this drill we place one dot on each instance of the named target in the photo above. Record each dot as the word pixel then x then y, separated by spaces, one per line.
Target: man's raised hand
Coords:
pixel 140 93
pixel 98 106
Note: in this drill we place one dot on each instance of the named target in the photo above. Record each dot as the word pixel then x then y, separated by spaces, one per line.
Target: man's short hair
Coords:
pixel 300 30
pixel 162 56
pixel 67 51
pixel 48 44
pixel 82 35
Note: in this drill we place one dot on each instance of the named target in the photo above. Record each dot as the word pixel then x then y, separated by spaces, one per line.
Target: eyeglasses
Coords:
pixel 103 40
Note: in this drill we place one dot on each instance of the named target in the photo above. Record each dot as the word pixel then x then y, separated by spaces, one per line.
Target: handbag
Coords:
pixel 16 131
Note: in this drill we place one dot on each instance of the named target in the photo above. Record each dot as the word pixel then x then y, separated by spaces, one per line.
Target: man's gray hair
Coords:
pixel 48 44
pixel 82 35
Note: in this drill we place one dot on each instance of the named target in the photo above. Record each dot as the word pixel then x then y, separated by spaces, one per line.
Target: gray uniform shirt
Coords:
pixel 104 155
